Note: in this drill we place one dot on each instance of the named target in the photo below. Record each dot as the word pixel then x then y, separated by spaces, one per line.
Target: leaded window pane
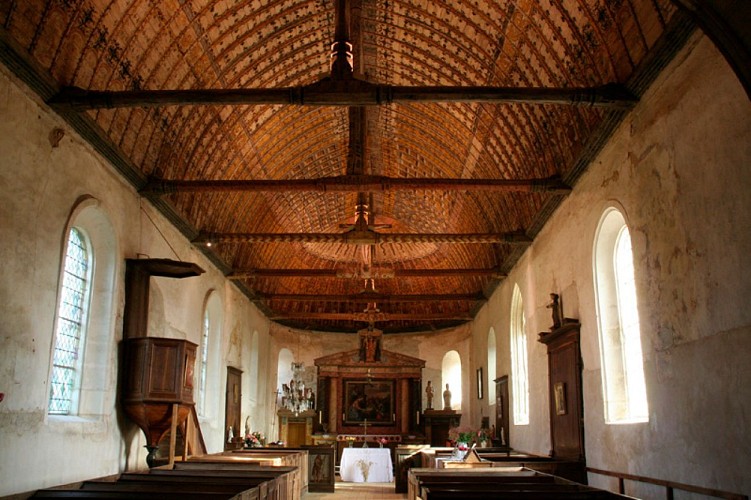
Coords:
pixel 73 298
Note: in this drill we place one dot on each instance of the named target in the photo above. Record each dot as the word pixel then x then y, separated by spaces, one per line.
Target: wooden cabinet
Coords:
pixel 437 425
pixel 565 395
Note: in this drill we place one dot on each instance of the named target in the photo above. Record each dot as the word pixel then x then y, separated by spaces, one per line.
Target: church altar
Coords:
pixel 366 465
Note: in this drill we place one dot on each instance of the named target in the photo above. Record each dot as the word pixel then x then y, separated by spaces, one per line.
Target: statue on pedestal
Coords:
pixel 429 395
pixel 447 398
pixel 557 310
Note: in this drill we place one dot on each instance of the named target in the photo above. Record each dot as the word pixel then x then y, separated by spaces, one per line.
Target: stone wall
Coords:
pixel 40 186
pixel 678 168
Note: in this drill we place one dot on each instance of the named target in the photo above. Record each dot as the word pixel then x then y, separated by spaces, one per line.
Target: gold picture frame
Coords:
pixel 559 396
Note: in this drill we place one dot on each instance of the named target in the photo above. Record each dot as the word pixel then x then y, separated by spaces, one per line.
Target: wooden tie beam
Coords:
pixel 367 237
pixel 358 183
pixel 346 92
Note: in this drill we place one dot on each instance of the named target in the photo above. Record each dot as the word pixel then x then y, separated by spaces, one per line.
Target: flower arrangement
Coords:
pixel 382 441
pixel 254 439
pixel 462 434
pixel 350 440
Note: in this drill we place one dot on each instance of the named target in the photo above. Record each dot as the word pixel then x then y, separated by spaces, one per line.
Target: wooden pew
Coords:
pixel 293 457
pixel 117 495
pixel 511 483
pixel 290 487
pixel 469 494
pixel 268 487
pixel 210 481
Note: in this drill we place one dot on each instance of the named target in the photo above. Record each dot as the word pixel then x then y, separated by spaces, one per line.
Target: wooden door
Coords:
pixel 501 410
pixel 565 390
pixel 296 434
pixel 232 406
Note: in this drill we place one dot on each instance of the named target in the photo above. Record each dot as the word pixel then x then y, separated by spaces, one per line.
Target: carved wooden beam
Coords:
pixel 359 183
pixel 367 237
pixel 376 273
pixel 367 297
pixel 349 92
pixel 368 317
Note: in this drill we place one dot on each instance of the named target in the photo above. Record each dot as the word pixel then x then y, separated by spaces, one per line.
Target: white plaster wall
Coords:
pixel 679 168
pixel 39 186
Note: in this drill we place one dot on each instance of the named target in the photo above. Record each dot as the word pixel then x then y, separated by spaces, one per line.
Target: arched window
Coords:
pixel 205 329
pixel 624 387
pixel 254 372
pixel 451 374
pixel 491 366
pixel 519 363
pixel 284 368
pixel 81 379
pixel 67 357
pixel 208 377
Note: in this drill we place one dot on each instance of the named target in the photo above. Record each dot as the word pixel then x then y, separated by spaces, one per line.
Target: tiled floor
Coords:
pixel 359 491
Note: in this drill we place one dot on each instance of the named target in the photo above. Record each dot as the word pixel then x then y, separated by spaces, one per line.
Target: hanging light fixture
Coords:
pixel 295 396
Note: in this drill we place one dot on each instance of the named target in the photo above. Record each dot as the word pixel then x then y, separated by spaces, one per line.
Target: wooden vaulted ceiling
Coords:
pixel 396 191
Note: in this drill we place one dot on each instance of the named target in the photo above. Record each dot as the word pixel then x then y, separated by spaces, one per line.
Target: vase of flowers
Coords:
pixel 382 441
pixel 254 440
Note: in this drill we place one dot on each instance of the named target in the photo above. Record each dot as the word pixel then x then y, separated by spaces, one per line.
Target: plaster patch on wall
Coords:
pixel 234 348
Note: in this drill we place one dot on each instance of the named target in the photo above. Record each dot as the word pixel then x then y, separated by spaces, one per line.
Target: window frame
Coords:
pixel 519 367
pixel 96 390
pixel 73 401
pixel 623 386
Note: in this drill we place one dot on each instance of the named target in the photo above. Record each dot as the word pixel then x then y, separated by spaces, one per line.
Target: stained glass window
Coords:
pixel 71 318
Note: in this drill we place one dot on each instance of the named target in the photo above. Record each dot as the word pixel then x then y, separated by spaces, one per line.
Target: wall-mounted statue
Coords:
pixel 557 311
pixel 370 344
pixel 447 398
pixel 429 395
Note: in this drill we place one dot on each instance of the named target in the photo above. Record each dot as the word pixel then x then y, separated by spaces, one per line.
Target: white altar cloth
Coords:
pixel 377 462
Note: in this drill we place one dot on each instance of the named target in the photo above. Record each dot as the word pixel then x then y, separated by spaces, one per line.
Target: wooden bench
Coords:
pixel 511 483
pixel 117 495
pixel 291 486
pixel 210 481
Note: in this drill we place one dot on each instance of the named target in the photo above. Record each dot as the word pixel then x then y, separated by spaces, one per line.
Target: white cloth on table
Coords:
pixel 377 462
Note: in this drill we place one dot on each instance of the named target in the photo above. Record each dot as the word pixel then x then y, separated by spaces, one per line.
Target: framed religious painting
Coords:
pixel 368 401
pixel 559 397
pixel 321 461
